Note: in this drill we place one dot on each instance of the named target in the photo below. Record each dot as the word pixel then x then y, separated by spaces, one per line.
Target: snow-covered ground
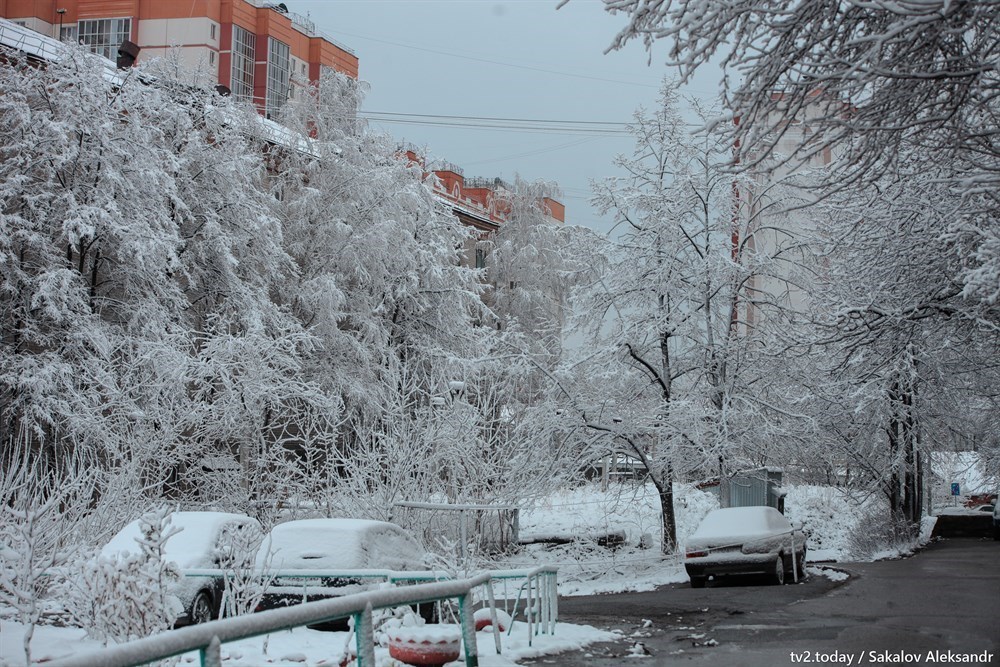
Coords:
pixel 833 518
pixel 303 647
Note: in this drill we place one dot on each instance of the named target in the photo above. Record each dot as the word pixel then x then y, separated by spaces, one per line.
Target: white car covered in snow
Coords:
pixel 204 540
pixel 745 540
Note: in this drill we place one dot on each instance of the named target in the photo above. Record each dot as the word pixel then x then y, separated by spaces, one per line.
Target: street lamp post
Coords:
pixel 61 12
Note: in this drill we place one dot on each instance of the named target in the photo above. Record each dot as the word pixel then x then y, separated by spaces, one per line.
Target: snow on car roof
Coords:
pixel 338 544
pixel 191 547
pixel 733 521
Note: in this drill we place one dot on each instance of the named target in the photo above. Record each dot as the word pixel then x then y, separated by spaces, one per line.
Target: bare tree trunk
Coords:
pixel 665 489
pixel 892 485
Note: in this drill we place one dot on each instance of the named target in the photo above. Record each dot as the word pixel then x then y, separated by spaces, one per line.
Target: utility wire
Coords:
pixel 500 118
pixel 561 126
pixel 495 62
pixel 506 127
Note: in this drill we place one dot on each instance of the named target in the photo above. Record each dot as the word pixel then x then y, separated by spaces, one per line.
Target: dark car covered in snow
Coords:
pixel 202 541
pixel 315 559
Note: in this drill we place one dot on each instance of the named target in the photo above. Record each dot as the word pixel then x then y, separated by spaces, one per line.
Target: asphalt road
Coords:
pixel 910 611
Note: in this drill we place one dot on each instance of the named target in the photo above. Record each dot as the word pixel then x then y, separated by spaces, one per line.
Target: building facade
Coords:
pixel 480 203
pixel 259 50
pixel 771 213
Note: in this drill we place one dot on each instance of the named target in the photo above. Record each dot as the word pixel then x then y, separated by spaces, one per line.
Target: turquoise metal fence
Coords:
pixel 208 638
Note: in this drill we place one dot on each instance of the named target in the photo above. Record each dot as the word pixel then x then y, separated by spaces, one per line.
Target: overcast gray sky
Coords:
pixel 519 59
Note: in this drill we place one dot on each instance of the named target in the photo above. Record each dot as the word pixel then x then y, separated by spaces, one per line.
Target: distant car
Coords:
pixel 206 541
pixel 745 540
pixel 996 521
pixel 977 499
pixel 331 555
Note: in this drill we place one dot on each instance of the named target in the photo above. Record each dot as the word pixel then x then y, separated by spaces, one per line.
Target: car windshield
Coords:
pixel 339 544
pixel 741 521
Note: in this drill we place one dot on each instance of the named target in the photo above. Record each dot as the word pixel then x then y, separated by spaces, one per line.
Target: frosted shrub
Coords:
pixel 121 597
pixel 878 535
pixel 245 583
pixel 39 510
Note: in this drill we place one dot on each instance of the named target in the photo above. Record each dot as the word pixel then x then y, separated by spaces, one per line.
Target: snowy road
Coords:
pixel 913 611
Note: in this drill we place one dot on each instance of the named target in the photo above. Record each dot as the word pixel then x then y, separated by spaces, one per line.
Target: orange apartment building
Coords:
pixel 258 50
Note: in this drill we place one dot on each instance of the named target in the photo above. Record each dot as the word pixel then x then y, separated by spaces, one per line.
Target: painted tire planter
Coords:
pixel 483 619
pixel 426 645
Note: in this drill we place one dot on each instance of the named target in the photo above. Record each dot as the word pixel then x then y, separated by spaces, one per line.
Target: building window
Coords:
pixel 278 74
pixel 244 52
pixel 480 258
pixel 211 32
pixel 68 33
pixel 104 36
pixel 211 57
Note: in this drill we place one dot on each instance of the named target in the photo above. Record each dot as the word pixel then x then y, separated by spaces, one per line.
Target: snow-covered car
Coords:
pixel 745 540
pixel 204 540
pixel 314 559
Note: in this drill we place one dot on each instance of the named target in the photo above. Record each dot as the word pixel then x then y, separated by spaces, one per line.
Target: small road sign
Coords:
pixel 955 490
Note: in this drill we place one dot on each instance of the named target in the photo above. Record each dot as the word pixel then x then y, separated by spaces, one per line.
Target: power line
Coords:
pixel 485 126
pixel 494 62
pixel 500 118
pixel 553 125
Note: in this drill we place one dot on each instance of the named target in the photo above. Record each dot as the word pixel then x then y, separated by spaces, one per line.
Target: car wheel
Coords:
pixel 201 608
pixel 779 571
pixel 698 582
pixel 428 612
pixel 800 566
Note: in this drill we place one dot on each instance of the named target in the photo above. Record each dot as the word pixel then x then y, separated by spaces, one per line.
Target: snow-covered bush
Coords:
pixel 830 514
pixel 244 583
pixel 879 535
pixel 40 509
pixel 119 597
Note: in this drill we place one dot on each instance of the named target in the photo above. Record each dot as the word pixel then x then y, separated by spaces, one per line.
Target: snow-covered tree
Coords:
pixel 140 262
pixel 526 269
pixel 907 359
pixel 222 310
pixel 678 327
pixel 877 82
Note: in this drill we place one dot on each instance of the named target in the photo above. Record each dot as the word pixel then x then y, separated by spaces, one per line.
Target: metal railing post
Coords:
pixel 468 630
pixel 364 634
pixel 555 600
pixel 211 655
pixel 493 614
pixel 795 565
pixel 547 601
pixel 528 607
